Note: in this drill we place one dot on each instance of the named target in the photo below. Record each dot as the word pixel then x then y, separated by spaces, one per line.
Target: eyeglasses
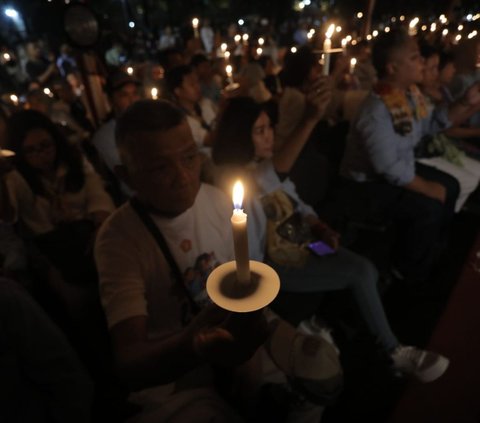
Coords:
pixel 38 149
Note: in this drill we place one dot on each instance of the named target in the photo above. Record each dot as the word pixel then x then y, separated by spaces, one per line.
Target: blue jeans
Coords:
pixel 344 270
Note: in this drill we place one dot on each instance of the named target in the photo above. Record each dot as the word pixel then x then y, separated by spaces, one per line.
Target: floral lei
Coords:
pixel 400 107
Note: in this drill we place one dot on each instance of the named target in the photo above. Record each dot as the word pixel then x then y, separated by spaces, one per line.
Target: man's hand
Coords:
pixel 227 339
pixel 326 234
pixel 436 191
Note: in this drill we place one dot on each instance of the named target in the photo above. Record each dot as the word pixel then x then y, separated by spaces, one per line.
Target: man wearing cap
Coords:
pixel 123 90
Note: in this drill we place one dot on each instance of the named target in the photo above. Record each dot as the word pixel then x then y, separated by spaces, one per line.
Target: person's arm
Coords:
pixel 99 203
pixel 463 132
pixel 214 336
pixel 378 144
pixel 45 76
pixel 317 99
pixel 429 188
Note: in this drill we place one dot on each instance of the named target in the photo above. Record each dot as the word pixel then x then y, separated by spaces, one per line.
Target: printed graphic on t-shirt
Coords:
pixel 196 277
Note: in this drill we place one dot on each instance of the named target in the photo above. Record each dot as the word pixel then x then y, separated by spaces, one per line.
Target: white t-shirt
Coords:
pixel 200 239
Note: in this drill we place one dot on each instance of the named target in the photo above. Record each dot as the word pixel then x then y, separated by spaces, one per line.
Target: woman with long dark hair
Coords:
pixel 55 194
pixel 243 147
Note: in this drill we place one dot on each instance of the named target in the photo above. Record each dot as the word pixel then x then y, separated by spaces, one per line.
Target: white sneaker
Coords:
pixel 313 327
pixel 426 366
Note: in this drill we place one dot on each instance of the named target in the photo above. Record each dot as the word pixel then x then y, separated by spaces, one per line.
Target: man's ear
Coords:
pixel 121 173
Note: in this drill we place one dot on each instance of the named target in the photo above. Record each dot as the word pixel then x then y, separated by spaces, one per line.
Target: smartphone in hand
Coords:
pixel 320 248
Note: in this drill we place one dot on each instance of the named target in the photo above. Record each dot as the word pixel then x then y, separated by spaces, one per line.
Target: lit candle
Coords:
pixel 229 71
pixel 353 62
pixel 259 51
pixel 327 46
pixel 154 93
pixel 261 41
pixel 344 46
pixel 245 39
pixel 226 55
pixel 130 70
pixel 237 39
pixel 195 23
pixel 14 99
pixel 6 57
pixel 240 236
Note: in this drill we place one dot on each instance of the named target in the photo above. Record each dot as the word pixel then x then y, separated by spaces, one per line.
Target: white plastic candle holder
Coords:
pixel 224 290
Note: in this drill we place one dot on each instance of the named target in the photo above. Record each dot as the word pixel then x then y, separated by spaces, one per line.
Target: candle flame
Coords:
pixel 195 22
pixel 353 61
pixel 229 70
pixel 330 31
pixel 238 195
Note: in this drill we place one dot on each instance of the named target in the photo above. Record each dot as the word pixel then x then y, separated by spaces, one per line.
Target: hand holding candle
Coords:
pixel 240 236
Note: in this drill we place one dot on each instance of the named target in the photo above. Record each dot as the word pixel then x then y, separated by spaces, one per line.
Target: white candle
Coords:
pixel 154 93
pixel 353 62
pixel 229 71
pixel 344 46
pixel 240 236
pixel 237 39
pixel 130 70
pixel 14 99
pixel 195 23
pixel 327 46
pixel 245 39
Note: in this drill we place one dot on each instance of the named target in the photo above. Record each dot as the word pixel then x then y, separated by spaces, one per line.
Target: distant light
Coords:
pixel 359 15
pixel 402 18
pixel 223 47
pixel 424 27
pixel 443 19
pixel 354 42
pixel 241 22
pixel 433 27
pixel 458 37
pixel 130 70
pixel 369 37
pixel 6 56
pixel 348 38
pixel 413 23
pixel 226 55
pixel 338 29
pixel 394 19
pixel 301 5
pixel 469 17
pixel 261 41
pixel 460 27
pixel 48 92
pixel 245 37
pixel 477 16
pixel 131 24
pixel 375 33
pixel 237 38
pixel 387 29
pixel 11 13
pixel 154 93
pixel 293 49
pixel 67 1
pixel 472 34
pixel 14 99
pixel 259 51
pixel 307 2
pixel 445 32
pixel 195 22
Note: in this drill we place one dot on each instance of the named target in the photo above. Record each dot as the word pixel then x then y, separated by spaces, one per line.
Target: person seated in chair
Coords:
pixel 380 159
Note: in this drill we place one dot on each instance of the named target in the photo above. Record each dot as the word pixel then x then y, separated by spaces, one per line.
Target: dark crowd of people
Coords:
pixel 115 184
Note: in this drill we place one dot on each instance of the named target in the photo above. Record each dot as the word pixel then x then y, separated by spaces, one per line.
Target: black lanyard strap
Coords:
pixel 157 235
